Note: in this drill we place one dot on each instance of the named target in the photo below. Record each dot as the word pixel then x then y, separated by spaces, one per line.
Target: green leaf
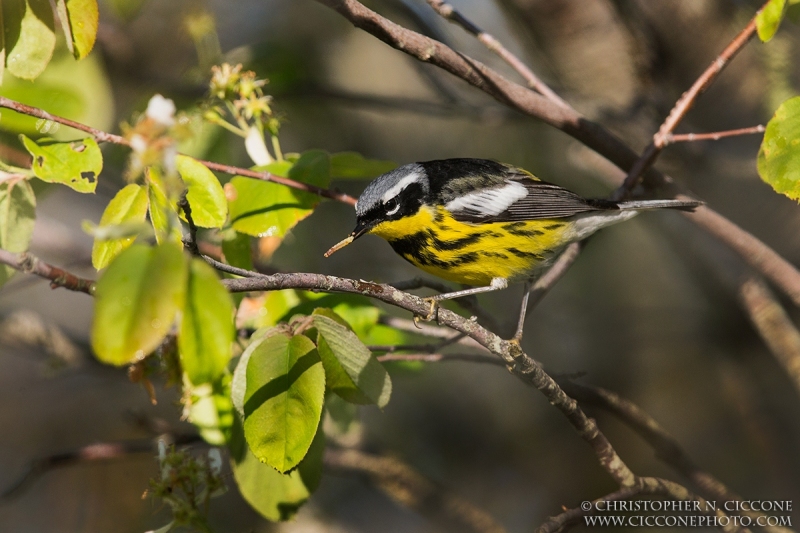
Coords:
pixel 236 249
pixel 277 496
pixel 769 18
pixel 211 411
pixel 239 381
pixel 136 302
pixel 129 205
pixel 162 214
pixel 265 209
pixel 207 330
pixel 283 400
pixel 78 90
pixel 350 368
pixel 29 36
pixel 79 20
pixel 17 216
pixel 75 164
pixel 779 156
pixel 354 165
pixel 204 193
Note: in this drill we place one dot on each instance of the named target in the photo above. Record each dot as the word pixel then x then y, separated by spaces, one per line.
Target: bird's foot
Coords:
pixel 431 313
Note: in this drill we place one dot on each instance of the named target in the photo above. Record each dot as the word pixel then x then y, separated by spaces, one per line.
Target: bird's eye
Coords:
pixel 392 206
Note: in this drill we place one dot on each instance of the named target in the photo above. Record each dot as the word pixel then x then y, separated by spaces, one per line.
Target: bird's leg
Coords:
pixel 522 311
pixel 496 284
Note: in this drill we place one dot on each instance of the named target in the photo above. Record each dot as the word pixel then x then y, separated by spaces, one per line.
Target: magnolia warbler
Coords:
pixel 482 223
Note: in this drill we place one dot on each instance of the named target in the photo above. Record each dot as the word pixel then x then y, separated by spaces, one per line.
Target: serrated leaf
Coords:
pixel 17 217
pixel 264 209
pixel 129 205
pixel 283 400
pixel 79 19
pixel 769 18
pixel 276 496
pixel 204 193
pixel 136 301
pixel 779 156
pixel 239 381
pixel 353 371
pixel 75 164
pixel 29 35
pixel 349 165
pixel 207 330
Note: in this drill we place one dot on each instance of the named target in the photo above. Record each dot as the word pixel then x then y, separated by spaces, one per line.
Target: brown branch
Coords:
pixel 773 325
pixel 30 264
pixel 227 169
pixel 759 255
pixel 671 138
pixel 682 107
pixel 450 13
pixel 519 363
pixel 441 357
pixel 546 282
pixel 190 241
pixel 411 489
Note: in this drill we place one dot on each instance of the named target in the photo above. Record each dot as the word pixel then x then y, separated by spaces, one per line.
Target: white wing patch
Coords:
pixel 490 202
pixel 398 187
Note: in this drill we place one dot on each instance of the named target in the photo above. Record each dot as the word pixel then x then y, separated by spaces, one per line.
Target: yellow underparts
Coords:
pixel 471 253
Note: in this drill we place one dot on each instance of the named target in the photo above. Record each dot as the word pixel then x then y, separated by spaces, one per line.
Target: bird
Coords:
pixel 482 223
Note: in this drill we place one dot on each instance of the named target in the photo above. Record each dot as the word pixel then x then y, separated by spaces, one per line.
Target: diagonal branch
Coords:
pixel 682 107
pixel 450 13
pixel 783 274
pixel 30 264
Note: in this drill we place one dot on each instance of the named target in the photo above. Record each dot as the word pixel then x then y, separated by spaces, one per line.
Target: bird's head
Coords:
pixel 392 196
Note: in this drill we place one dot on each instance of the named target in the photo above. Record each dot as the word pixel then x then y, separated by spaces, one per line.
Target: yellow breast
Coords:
pixel 473 253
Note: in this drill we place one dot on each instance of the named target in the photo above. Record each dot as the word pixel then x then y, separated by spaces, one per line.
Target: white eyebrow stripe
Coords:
pixel 490 202
pixel 400 185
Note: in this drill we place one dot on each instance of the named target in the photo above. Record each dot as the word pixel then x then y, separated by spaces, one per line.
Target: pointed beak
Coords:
pixel 360 230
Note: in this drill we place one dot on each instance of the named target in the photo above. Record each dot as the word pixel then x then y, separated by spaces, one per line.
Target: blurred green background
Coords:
pixel 643 312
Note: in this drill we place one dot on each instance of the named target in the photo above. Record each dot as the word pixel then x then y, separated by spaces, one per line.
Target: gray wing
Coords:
pixel 523 198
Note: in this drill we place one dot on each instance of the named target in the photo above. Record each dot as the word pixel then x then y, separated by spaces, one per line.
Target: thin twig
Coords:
pixel 409 488
pixel 190 240
pixel 519 363
pixel 671 138
pixel 682 107
pixel 30 264
pixel 560 266
pixel 594 136
pixel 773 325
pixel 227 169
pixel 441 357
pixel 450 13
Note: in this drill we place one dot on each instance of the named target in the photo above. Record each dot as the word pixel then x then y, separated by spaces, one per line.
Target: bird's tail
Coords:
pixel 638 205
